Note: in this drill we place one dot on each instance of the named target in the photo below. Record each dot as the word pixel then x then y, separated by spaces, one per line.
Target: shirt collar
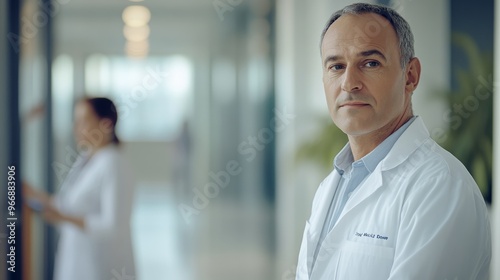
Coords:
pixel 344 159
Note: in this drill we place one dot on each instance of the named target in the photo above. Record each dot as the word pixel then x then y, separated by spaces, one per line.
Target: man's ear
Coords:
pixel 412 75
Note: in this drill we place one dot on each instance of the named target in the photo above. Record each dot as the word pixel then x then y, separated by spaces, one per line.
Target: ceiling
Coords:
pixel 82 27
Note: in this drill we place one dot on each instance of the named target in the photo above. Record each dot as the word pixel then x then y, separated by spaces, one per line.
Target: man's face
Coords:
pixel 362 75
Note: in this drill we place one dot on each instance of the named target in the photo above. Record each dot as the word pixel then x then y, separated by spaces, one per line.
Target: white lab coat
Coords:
pixel 418 216
pixel 102 193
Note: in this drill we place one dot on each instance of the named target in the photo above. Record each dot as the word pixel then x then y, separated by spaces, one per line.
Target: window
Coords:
pixel 152 95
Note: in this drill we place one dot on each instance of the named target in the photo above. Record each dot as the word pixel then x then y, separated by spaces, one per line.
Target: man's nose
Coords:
pixel 352 80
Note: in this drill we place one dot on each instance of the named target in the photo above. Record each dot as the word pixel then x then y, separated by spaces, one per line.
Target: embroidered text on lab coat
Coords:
pixel 371 235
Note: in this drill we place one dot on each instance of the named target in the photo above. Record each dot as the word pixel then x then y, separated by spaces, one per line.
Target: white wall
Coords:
pixel 430 23
pixel 151 161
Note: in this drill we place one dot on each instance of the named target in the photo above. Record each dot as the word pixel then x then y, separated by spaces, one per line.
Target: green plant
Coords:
pixel 471 139
pixel 323 148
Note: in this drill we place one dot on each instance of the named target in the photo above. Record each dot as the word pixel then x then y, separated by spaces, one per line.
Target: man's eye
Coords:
pixel 372 64
pixel 336 67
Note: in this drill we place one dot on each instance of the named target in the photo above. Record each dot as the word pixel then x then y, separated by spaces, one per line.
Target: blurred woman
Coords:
pixel 93 207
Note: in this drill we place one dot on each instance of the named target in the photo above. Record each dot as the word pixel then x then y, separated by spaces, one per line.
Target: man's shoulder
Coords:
pixel 431 157
pixel 430 165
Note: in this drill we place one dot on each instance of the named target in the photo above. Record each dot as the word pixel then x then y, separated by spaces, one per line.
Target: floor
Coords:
pixel 229 241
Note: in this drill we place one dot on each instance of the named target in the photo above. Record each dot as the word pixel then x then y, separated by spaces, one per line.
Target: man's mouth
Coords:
pixel 354 104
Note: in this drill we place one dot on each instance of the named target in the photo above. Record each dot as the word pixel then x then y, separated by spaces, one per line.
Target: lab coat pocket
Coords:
pixel 364 261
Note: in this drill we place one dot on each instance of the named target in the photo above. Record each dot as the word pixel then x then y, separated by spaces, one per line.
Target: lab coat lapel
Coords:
pixel 363 192
pixel 323 204
pixel 317 220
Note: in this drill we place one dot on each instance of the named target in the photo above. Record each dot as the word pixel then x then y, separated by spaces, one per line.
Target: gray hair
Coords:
pixel 400 25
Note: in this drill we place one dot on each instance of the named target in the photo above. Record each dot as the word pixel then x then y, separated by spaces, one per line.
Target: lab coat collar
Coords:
pixel 345 159
pixel 414 136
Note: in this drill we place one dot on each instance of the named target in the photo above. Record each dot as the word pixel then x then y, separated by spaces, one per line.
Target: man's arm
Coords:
pixel 444 233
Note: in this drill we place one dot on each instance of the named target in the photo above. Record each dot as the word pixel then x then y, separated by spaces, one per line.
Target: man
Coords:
pixel 396 205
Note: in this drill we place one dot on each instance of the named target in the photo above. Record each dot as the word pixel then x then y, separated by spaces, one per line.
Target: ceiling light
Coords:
pixel 137 46
pixel 136 15
pixel 135 34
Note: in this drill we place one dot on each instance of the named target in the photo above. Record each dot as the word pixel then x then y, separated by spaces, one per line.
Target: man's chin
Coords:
pixel 354 127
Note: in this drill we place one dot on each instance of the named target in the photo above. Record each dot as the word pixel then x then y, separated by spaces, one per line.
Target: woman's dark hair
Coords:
pixel 104 109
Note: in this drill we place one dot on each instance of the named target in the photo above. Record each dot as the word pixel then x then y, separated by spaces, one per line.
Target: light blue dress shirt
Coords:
pixel 353 173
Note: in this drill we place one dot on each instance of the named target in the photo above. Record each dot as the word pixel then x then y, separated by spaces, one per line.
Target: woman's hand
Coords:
pixel 53 216
pixel 30 193
pixel 49 213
